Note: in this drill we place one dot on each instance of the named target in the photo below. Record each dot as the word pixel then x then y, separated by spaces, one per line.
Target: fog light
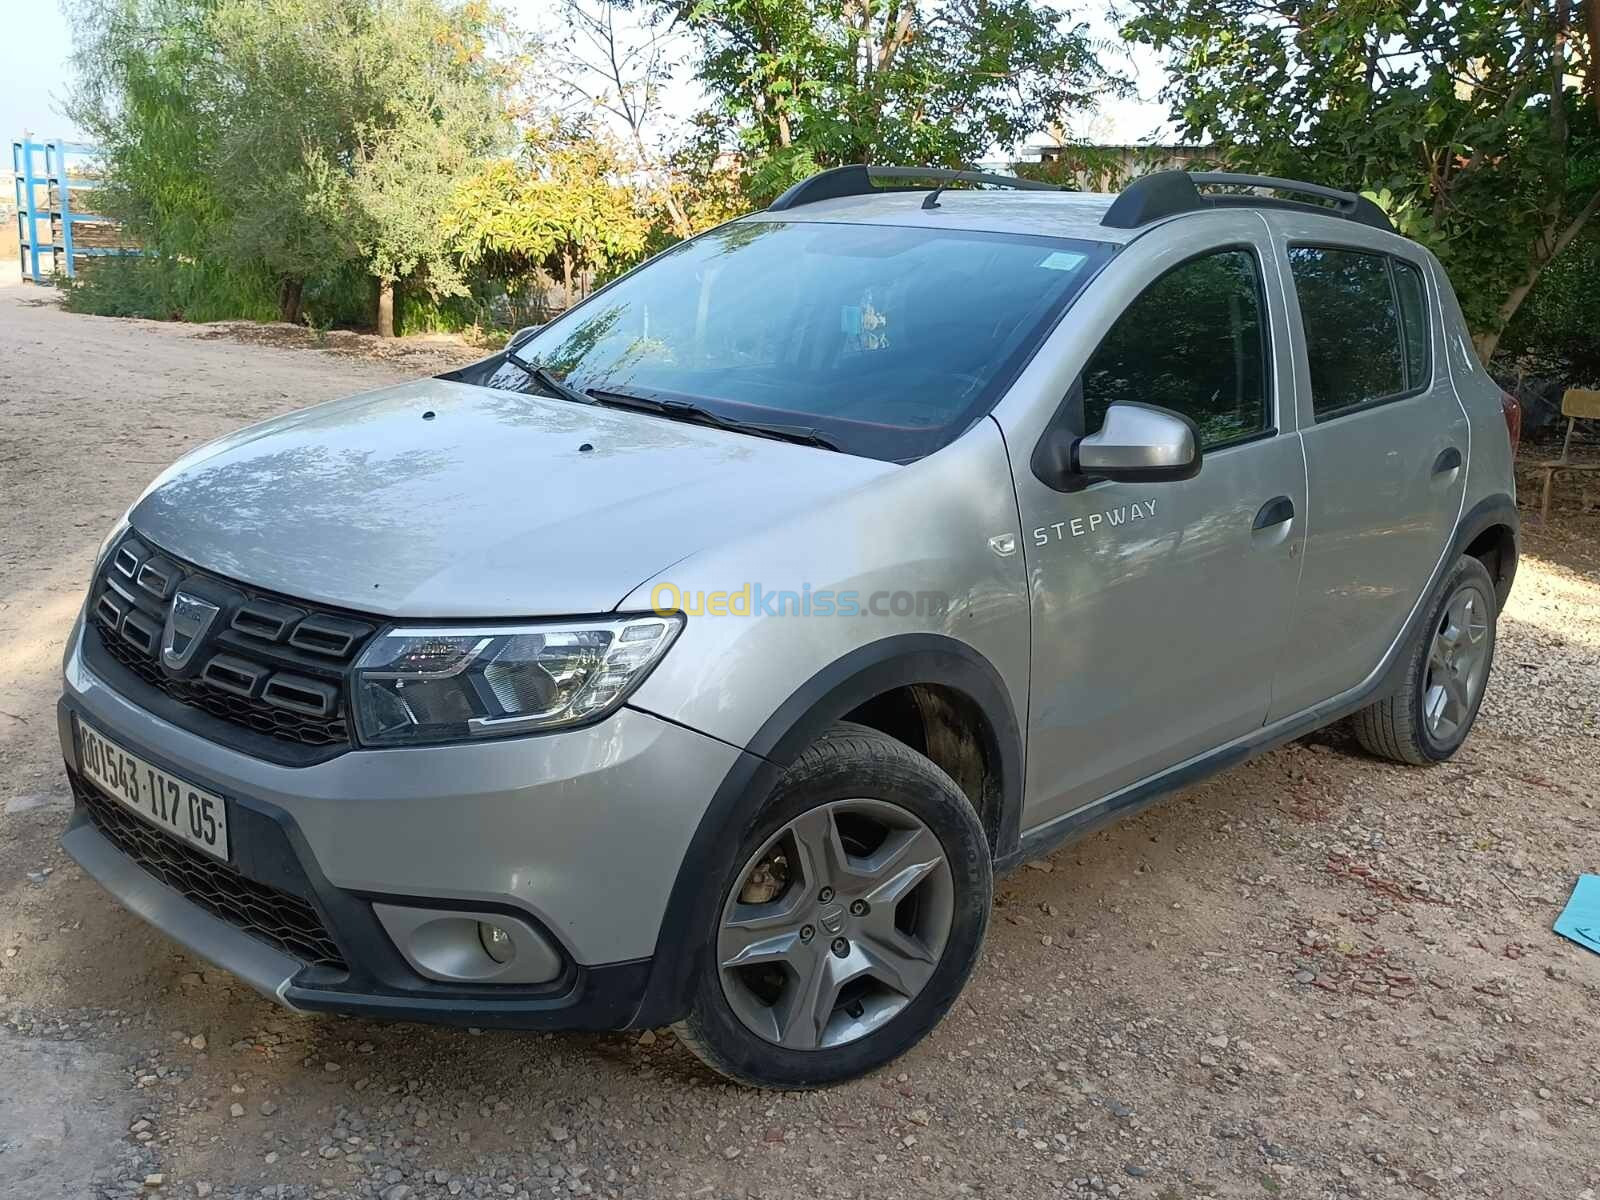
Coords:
pixel 453 946
pixel 496 942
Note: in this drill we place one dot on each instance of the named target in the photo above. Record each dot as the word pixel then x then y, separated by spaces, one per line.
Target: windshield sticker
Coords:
pixel 866 325
pixel 1062 260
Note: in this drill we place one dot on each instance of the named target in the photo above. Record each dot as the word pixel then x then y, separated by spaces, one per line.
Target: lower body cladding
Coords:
pixel 517 883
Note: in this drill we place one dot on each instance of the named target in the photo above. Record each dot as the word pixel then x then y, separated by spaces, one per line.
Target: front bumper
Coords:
pixel 580 835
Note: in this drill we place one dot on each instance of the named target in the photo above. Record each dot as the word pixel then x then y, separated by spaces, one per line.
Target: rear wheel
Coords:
pixel 849 920
pixel 1429 717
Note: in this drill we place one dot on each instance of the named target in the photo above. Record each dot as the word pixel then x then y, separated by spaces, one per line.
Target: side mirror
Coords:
pixel 1139 443
pixel 522 335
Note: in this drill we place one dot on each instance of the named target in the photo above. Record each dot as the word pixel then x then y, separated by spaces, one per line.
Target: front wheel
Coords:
pixel 849 920
pixel 1447 670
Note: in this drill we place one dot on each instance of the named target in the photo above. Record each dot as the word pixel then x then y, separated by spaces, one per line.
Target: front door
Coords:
pixel 1160 610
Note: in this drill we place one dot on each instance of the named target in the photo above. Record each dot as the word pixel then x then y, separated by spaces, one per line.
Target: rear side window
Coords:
pixel 1365 318
pixel 1194 342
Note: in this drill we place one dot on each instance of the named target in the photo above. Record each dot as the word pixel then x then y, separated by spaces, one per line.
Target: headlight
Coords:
pixel 451 684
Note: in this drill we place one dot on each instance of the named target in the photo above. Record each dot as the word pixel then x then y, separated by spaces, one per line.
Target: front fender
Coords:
pixel 830 694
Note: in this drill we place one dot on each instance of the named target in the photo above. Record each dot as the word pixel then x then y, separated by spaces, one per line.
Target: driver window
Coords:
pixel 1192 342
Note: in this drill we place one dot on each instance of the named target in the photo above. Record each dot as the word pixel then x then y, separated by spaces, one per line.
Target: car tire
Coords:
pixel 1447 671
pixel 777 1007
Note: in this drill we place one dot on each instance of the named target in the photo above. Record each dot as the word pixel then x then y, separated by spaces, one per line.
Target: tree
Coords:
pixel 348 125
pixel 562 206
pixel 1557 332
pixel 283 136
pixel 137 67
pixel 312 135
pixel 621 74
pixel 1467 121
pixel 704 176
pixel 442 112
pixel 921 82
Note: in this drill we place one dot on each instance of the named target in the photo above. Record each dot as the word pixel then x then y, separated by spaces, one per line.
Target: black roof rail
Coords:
pixel 860 180
pixel 1168 193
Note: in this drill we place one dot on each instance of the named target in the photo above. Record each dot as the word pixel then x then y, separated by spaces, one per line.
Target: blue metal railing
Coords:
pixel 57 182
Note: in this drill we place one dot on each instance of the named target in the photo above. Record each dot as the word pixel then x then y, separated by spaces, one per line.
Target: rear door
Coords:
pixel 1386 449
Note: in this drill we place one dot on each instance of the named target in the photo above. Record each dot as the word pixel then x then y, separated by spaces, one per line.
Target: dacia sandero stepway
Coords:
pixel 701 657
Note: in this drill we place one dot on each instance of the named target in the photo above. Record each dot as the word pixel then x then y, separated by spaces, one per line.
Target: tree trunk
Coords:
pixel 289 296
pixel 1552 239
pixel 386 308
pixel 679 219
pixel 566 277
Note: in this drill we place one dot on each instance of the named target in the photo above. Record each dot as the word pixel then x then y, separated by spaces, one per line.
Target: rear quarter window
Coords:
pixel 1413 321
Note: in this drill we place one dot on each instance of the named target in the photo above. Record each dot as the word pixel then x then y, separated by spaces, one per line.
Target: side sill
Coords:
pixel 1083 821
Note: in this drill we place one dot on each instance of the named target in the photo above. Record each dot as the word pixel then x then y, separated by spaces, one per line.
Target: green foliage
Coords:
pixel 440 109
pixel 927 82
pixel 136 61
pixel 281 156
pixel 562 205
pixel 707 187
pixel 1557 332
pixel 291 138
pixel 1085 167
pixel 171 289
pixel 1442 112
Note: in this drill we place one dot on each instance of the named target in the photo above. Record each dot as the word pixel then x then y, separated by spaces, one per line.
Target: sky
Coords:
pixel 33 71
pixel 34 76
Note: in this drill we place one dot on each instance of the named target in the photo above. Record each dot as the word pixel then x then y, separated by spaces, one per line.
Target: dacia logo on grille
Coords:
pixel 188 620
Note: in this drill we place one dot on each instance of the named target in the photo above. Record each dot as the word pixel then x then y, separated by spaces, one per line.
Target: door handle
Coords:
pixel 1274 512
pixel 1449 459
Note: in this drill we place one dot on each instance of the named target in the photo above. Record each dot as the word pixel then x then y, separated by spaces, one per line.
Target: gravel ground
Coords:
pixel 1314 976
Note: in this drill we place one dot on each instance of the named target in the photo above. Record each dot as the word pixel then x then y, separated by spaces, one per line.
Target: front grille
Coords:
pixel 267 664
pixel 283 921
pixel 274 722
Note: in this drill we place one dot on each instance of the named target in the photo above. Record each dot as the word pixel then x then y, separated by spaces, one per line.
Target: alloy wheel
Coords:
pixel 835 924
pixel 1457 664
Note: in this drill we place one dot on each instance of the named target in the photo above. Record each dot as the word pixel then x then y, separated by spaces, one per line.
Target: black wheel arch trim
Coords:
pixel 1493 510
pixel 837 689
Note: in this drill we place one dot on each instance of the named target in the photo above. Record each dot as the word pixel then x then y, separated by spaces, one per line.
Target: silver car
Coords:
pixel 702 657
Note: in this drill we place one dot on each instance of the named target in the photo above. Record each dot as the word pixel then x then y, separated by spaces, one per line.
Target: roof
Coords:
pixel 853 194
pixel 1053 214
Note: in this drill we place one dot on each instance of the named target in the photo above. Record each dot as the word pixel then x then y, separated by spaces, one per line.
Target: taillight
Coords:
pixel 1511 409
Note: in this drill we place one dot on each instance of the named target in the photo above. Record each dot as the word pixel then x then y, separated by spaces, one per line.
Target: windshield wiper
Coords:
pixel 683 410
pixel 547 379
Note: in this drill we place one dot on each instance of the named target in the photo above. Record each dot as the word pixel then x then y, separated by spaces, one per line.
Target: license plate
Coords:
pixel 167 802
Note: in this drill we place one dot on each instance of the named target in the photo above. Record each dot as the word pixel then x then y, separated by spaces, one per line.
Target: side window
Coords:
pixel 1194 341
pixel 1414 318
pixel 1352 323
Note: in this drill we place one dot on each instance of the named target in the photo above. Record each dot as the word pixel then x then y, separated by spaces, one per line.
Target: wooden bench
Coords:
pixel 1577 404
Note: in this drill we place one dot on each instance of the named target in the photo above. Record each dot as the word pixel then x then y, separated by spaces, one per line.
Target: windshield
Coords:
pixel 888 341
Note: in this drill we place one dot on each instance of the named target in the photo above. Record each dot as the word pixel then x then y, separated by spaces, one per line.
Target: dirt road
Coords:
pixel 1317 975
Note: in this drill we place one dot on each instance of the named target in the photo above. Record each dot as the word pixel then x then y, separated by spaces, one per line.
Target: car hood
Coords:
pixel 442 499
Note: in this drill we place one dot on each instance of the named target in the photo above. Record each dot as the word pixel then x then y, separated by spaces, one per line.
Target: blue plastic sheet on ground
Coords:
pixel 1580 920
